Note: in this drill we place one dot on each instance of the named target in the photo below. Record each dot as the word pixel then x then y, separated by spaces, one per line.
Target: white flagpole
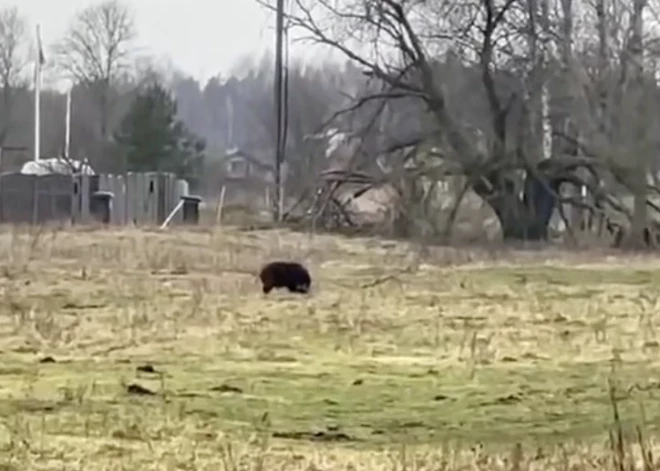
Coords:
pixel 37 99
pixel 67 136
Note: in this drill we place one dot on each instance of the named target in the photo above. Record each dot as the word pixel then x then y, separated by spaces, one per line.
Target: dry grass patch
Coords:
pixel 135 349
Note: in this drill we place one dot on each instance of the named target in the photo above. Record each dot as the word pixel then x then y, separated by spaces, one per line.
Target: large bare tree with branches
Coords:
pixel 523 86
pixel 619 91
pixel 96 50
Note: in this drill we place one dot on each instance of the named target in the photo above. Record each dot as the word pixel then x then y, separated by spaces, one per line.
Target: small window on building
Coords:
pixel 237 168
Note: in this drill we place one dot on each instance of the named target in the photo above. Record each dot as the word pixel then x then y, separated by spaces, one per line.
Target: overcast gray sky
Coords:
pixel 202 37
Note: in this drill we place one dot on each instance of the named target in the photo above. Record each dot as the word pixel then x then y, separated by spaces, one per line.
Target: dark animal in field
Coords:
pixel 290 275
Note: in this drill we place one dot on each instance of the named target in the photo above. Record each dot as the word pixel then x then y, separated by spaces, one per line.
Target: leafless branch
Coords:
pixel 13 60
pixel 96 50
pixel 97 46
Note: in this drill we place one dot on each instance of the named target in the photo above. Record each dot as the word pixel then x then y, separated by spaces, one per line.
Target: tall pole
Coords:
pixel 37 97
pixel 285 110
pixel 67 131
pixel 279 149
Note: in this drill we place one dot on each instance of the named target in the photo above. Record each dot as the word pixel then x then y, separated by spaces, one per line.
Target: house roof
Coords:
pixel 56 165
pixel 255 159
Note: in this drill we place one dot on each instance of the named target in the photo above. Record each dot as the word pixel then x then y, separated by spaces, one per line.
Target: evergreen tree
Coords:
pixel 151 138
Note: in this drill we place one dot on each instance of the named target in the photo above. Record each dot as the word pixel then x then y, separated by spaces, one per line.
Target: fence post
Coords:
pixel 84 198
pixel 35 200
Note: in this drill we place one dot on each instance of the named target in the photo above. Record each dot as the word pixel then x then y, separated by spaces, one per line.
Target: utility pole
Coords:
pixel 279 110
pixel 67 126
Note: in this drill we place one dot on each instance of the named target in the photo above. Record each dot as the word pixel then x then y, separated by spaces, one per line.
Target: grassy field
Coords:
pixel 464 359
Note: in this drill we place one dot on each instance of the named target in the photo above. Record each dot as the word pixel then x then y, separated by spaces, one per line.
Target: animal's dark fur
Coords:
pixel 290 275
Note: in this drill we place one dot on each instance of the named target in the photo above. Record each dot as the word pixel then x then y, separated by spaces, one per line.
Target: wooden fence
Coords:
pixel 137 198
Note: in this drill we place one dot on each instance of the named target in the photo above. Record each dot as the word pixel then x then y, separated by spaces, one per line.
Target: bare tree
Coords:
pixel 96 51
pixel 13 61
pixel 413 72
pixel 516 59
pixel 615 67
pixel 635 88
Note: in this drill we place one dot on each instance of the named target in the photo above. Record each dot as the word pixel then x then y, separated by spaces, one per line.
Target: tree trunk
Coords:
pixel 525 218
pixel 639 219
pixel 636 99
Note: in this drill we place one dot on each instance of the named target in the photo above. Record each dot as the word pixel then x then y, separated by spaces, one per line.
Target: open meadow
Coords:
pixel 149 350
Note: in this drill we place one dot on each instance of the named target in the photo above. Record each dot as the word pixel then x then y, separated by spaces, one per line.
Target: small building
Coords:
pixel 249 177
